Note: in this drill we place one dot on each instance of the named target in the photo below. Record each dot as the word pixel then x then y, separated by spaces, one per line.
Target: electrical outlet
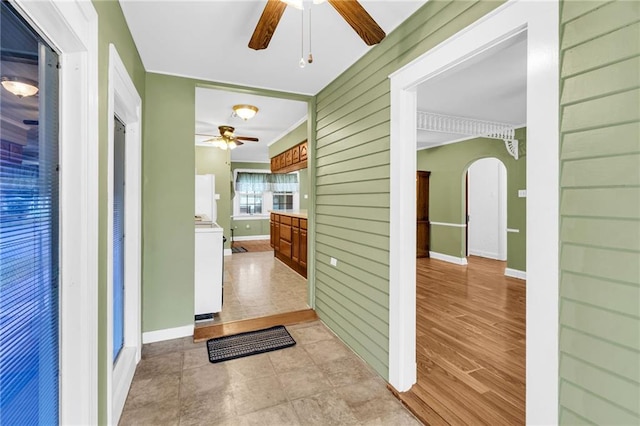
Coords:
pixel 306 196
pixel 522 193
pixel 248 226
pixel 334 261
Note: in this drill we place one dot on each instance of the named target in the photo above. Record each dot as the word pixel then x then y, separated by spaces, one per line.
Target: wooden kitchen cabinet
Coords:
pixel 289 241
pixel 290 160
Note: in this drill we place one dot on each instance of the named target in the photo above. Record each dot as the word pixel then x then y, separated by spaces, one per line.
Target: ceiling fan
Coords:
pixel 350 10
pixel 227 138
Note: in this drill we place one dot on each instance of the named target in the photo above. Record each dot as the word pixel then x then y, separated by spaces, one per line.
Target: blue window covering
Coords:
pixel 118 237
pixel 29 303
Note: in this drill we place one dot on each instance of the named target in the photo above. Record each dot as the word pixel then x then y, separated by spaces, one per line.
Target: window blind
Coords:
pixel 29 249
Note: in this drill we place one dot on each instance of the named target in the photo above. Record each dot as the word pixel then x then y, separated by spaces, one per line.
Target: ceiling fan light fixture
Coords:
pixel 245 111
pixel 20 86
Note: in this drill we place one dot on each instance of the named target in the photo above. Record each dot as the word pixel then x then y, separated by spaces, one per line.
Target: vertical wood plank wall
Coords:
pixel 352 180
pixel 600 213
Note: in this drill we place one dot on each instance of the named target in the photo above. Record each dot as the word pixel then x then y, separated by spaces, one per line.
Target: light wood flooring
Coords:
pixel 254 245
pixel 470 345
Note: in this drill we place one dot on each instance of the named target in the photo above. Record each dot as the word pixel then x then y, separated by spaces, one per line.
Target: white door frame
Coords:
pixel 540 20
pixel 124 101
pixel 72 29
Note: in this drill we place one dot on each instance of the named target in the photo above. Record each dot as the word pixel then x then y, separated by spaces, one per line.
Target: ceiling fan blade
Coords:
pixel 360 20
pixel 246 138
pixel 238 143
pixel 267 24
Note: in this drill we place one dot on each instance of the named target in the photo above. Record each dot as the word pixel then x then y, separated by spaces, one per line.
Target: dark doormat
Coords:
pixel 238 249
pixel 249 343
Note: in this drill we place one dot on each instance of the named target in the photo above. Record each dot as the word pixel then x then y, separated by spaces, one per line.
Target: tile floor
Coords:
pixel 319 381
pixel 257 284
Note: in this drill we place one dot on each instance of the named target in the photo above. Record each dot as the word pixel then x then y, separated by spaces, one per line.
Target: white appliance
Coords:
pixel 208 250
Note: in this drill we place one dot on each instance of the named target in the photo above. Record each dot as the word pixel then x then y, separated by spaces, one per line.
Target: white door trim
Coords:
pixel 124 101
pixel 72 28
pixel 540 20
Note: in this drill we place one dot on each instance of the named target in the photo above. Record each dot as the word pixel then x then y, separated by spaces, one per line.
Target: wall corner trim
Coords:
pixel 448 258
pixel 228 252
pixel 167 334
pixel 514 273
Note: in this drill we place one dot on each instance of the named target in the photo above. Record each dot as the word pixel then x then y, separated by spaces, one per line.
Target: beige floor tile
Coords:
pixel 311 334
pixel 383 409
pixel 165 414
pixel 280 415
pixel 254 395
pixel 161 364
pixel 206 408
pixel 211 377
pixel 324 409
pixel 198 357
pixel 304 382
pixel 249 368
pixel 288 359
pixel 327 350
pixel 153 390
pixel 359 393
pixel 346 371
pixel 161 348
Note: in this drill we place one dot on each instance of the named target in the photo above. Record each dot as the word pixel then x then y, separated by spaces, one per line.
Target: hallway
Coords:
pixel 470 344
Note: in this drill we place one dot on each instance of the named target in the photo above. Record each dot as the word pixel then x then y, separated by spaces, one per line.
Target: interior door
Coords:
pixel 118 237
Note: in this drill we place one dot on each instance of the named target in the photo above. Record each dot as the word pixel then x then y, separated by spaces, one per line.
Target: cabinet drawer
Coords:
pixel 285 220
pixel 303 223
pixel 274 217
pixel 285 232
pixel 285 248
pixel 295 222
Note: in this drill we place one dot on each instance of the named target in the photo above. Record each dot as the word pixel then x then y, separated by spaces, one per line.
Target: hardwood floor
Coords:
pixel 470 342
pixel 254 245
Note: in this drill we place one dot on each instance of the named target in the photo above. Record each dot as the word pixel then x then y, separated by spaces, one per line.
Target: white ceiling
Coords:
pixel 275 118
pixel 208 40
pixel 492 86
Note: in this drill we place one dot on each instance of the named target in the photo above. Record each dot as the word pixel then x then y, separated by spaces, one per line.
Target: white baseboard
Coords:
pixel 251 238
pixel 448 258
pixel 514 273
pixel 167 333
pixel 483 253
pixel 228 252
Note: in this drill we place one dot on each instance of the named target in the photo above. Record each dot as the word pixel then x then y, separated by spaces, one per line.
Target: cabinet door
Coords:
pixel 303 151
pixel 303 249
pixel 288 157
pixel 276 236
pixel 295 154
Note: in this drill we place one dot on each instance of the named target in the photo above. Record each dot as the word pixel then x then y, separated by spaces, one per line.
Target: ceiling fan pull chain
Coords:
pixel 301 63
pixel 310 59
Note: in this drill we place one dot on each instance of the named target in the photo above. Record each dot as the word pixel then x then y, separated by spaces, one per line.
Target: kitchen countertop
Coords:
pixel 293 213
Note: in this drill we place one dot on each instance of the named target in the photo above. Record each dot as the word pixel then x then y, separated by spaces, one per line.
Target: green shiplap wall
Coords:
pixel 448 165
pixel 600 213
pixel 112 29
pixel 256 227
pixel 352 180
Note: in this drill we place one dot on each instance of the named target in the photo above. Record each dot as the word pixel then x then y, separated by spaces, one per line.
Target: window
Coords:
pixel 283 201
pixel 251 203
pixel 257 192
pixel 29 231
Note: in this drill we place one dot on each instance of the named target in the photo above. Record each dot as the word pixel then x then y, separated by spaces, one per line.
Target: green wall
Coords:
pixel 352 180
pixel 218 162
pixel 291 139
pixel 256 227
pixel 448 165
pixel 600 213
pixel 168 154
pixel 112 28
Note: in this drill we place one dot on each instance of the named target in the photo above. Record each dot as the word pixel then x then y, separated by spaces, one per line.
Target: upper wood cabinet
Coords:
pixel 291 160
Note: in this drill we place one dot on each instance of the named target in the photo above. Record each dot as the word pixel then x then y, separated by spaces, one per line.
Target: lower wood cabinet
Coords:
pixel 289 241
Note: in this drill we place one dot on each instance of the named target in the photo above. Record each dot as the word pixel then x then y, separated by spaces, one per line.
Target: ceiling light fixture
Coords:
pixel 244 111
pixel 294 3
pixel 19 86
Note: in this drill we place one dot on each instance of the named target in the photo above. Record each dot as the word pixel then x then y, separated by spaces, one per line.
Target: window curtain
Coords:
pixel 284 182
pixel 262 182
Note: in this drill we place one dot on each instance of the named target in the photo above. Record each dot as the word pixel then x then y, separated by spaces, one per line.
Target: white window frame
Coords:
pixel 267 198
pixel 72 28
